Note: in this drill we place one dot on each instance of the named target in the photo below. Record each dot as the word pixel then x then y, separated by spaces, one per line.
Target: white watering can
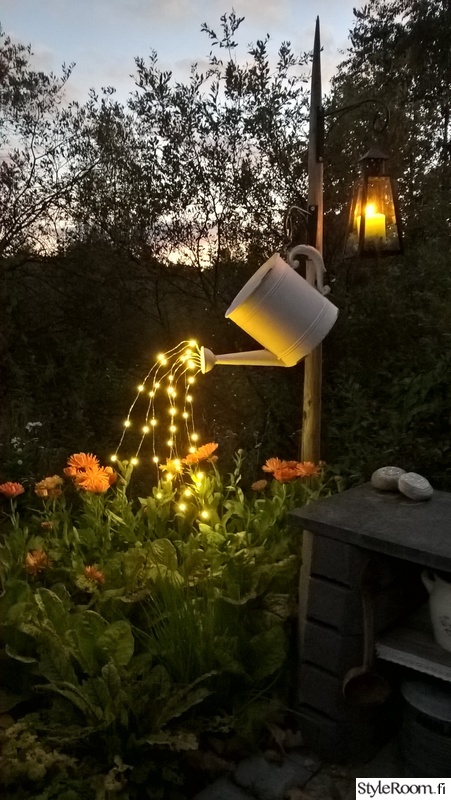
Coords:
pixel 282 311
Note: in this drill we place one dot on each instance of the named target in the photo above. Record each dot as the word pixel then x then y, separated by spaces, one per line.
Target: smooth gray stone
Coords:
pixel 415 487
pixel 269 781
pixel 386 478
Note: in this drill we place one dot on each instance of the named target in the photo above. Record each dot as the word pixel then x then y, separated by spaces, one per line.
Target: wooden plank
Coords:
pixel 384 522
pixel 412 644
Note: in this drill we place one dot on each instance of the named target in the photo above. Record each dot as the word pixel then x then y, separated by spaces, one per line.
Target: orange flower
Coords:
pixel 307 468
pixel 93 479
pixel 36 561
pixel 272 464
pixel 112 475
pixel 286 473
pixel 201 454
pixel 49 487
pixel 10 489
pixel 79 462
pixel 82 461
pixel 259 486
pixel 94 574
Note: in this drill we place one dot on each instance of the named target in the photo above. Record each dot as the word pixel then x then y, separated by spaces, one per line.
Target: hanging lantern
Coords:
pixel 374 222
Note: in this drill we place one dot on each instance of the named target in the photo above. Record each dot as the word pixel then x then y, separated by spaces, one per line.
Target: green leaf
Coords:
pixel 55 664
pixel 53 610
pixel 213 537
pixel 80 698
pixel 118 642
pixel 12 654
pixel 88 627
pixel 180 702
pixel 175 741
pixel 267 652
pixel 163 552
pixel 158 682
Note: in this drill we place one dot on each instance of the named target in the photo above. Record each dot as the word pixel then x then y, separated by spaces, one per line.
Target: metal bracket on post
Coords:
pixel 312 225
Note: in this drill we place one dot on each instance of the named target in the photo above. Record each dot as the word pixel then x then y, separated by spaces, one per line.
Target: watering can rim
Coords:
pixel 253 283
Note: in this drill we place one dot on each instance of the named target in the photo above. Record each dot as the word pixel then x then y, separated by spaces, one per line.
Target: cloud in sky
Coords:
pixel 104 36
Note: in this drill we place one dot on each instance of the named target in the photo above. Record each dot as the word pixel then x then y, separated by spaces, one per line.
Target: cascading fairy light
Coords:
pixel 170 379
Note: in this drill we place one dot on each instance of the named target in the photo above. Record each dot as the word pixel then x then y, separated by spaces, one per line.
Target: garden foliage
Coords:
pixel 134 630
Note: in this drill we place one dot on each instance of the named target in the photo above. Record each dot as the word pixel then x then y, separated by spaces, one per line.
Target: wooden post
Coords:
pixel 311 423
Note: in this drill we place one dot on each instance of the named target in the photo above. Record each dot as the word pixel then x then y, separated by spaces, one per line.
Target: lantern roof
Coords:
pixel 374 153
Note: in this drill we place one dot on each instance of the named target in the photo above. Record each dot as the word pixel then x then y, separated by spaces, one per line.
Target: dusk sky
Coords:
pixel 103 36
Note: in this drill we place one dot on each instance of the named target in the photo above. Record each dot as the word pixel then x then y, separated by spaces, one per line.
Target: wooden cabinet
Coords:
pixel 398 538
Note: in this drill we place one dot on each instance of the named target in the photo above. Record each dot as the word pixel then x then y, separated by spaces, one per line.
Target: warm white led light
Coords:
pixel 187 492
pixel 169 476
pixel 182 360
pixel 182 506
pixel 204 514
pixel 199 476
pixel 159 495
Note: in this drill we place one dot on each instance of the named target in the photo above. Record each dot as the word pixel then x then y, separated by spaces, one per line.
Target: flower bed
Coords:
pixel 136 631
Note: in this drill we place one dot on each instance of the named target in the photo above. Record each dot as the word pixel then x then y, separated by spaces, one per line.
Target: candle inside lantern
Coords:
pixel 374 223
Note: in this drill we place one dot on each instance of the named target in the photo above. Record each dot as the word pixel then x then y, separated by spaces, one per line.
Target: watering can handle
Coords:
pixel 316 259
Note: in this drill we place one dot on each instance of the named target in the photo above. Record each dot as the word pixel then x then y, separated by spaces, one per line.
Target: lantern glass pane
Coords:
pixel 373 204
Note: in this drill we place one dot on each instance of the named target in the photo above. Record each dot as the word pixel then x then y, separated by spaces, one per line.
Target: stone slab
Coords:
pixel 223 789
pixel 269 781
pixel 386 522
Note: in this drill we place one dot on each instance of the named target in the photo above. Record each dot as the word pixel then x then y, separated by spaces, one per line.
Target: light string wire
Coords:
pixel 181 362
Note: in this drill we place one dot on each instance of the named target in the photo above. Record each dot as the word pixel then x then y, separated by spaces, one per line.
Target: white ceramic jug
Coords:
pixel 439 607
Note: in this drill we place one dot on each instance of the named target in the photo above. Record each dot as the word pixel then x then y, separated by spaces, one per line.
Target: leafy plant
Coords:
pixel 138 626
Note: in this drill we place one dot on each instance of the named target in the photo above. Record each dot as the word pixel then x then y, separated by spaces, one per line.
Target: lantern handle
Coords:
pixel 335 112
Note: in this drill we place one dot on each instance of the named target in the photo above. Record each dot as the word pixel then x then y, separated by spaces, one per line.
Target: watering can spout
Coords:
pixel 252 358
